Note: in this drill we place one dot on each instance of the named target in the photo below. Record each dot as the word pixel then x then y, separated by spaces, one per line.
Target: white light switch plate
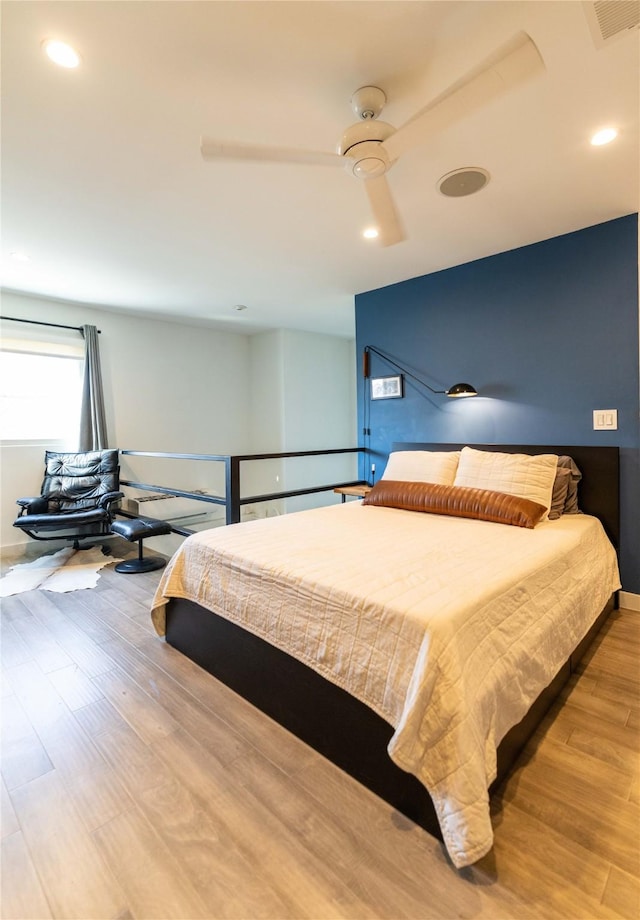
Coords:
pixel 605 419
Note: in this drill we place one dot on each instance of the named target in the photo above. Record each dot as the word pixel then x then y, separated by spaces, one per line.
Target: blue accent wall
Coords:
pixel 546 334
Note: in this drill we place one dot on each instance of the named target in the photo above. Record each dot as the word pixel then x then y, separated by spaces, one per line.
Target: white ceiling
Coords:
pixel 104 187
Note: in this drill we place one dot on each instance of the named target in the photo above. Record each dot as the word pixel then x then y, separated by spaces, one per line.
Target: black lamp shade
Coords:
pixel 461 389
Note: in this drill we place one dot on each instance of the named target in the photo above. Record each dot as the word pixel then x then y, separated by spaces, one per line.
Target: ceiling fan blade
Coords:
pixel 511 65
pixel 389 225
pixel 226 150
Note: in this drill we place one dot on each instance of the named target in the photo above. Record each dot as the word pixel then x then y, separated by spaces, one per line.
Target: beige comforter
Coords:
pixel 447 628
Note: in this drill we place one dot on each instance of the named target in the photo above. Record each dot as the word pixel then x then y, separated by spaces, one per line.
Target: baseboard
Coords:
pixel 630 601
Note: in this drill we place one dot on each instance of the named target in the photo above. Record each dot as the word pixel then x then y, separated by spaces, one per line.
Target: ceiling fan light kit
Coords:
pixel 369 148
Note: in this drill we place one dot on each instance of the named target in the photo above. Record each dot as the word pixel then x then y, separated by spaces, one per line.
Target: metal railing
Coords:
pixel 232 500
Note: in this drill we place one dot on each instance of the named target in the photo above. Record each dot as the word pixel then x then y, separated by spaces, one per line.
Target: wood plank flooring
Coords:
pixel 134 785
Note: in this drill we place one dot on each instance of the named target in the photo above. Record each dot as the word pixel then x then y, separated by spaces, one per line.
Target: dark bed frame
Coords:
pixel 336 724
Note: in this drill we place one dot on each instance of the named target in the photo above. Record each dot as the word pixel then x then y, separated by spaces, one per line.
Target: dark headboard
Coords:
pixel 599 489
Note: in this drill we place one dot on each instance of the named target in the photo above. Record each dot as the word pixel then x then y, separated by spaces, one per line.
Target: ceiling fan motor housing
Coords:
pixel 362 147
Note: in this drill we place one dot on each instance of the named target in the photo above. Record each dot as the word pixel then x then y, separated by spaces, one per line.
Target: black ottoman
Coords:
pixel 133 529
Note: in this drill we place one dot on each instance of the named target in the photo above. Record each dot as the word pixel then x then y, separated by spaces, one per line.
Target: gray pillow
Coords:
pixel 559 494
pixel 571 501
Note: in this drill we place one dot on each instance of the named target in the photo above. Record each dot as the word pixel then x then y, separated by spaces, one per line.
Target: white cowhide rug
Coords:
pixel 67 570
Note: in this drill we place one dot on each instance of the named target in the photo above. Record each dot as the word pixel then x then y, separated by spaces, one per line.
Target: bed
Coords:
pixel 353 626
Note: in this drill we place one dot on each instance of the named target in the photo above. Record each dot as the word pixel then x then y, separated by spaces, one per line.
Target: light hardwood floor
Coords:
pixel 137 786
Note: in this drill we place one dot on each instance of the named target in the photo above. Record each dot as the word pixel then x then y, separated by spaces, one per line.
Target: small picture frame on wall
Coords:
pixel 386 387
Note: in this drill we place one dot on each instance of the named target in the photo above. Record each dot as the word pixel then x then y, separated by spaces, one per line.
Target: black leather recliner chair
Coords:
pixel 78 499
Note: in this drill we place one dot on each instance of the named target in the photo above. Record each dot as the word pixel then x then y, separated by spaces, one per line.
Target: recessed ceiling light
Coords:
pixel 18 256
pixel 371 233
pixel 604 136
pixel 61 53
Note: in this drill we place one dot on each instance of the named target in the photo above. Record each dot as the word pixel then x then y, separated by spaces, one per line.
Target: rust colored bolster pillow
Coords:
pixel 457 501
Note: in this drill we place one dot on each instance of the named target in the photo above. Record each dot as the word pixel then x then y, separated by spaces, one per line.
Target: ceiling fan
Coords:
pixel 369 148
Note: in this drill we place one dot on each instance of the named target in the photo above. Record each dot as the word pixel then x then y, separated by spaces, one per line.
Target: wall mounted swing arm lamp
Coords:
pixel 458 390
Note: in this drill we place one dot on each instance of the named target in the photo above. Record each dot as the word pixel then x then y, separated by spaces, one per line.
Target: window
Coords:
pixel 40 390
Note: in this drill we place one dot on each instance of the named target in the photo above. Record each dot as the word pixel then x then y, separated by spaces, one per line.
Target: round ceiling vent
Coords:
pixel 462 182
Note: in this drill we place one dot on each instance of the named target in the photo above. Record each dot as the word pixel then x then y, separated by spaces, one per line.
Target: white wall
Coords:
pixel 303 398
pixel 319 413
pixel 319 391
pixel 175 387
pixel 267 391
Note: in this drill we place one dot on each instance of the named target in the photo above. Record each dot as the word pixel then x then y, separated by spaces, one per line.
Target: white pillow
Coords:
pixel 434 466
pixel 527 476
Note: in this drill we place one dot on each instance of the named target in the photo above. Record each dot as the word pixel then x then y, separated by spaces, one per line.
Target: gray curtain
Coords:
pixel 93 425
